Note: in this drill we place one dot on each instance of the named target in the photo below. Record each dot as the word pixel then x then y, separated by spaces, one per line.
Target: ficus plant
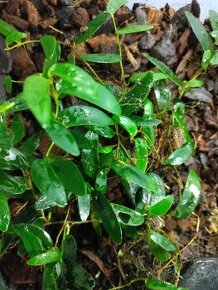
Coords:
pixel 110 133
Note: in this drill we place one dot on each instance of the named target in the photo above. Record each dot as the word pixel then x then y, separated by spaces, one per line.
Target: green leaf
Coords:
pixel 165 70
pixel 145 121
pixel 180 155
pixel 104 131
pixel 127 124
pixel 127 216
pixel 4 214
pixel 82 279
pixel 7 106
pixel 156 75
pixel 207 55
pixel 114 5
pixel 51 51
pixel 12 159
pixel 84 115
pixel 141 154
pixel 156 284
pixel 45 258
pixel 49 278
pixel 213 16
pixel 101 181
pixel 101 57
pixel 11 34
pixel 194 83
pixel 190 196
pixel 158 252
pixel 214 34
pixel 5 139
pixel 162 241
pixel 14 37
pixel 11 186
pixel 214 59
pixel 200 32
pixel 47 181
pixel 62 137
pixel 37 95
pixel 72 80
pixel 84 206
pixel 161 207
pixel 163 95
pixel 69 175
pixel 30 145
pixel 134 29
pixel 107 216
pixel 93 26
pixel 8 84
pixel 69 249
pixel 43 203
pixel 17 129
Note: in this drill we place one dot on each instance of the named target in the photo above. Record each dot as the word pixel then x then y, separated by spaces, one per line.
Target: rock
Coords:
pixel 201 275
pixel 65 2
pixel 64 16
pixel 147 42
pixel 199 94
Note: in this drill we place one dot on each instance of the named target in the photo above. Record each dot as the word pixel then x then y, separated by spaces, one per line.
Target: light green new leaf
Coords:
pixel 47 181
pixel 162 241
pixel 62 137
pixel 93 26
pixel 214 59
pixel 156 284
pixel 161 207
pixel 114 5
pixel 45 258
pixel 75 81
pixel 101 57
pixel 165 70
pixel 84 115
pixel 200 32
pixel 190 196
pixel 127 124
pixel 4 214
pixel 180 155
pixel 11 34
pixel 134 29
pixel 107 216
pixel 37 95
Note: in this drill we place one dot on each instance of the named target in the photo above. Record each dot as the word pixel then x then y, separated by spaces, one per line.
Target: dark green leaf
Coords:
pixel 108 217
pixel 84 206
pixel 49 278
pixel 4 213
pixel 163 95
pixel 17 129
pixel 127 124
pixel 190 197
pixel 114 5
pixel 5 139
pixel 93 26
pixel 3 285
pixel 200 32
pixel 45 258
pixel 62 137
pixel 165 70
pixel 101 57
pixel 85 115
pixel 82 279
pixel 69 175
pixel 134 29
pixel 47 181
pixel 101 181
pixel 180 155
pixel 161 207
pixel 30 145
pixel 11 186
pixel 156 284
pixel 8 84
pixel 145 121
pixel 127 216
pixel 104 131
pixel 13 158
pixel 72 82
pixel 43 203
pixel 141 154
pixel 162 241
pixel 37 95
pixel 69 249
pixel 159 253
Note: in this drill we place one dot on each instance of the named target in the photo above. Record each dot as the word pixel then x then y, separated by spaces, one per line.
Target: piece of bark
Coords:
pixel 103 43
pixel 15 21
pixel 80 17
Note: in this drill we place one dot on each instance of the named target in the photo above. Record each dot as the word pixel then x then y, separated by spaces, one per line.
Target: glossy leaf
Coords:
pixel 69 175
pixel 162 241
pixel 101 57
pixel 14 37
pixel 156 75
pixel 101 180
pixel 45 258
pixel 30 145
pixel 84 115
pixel 145 121
pixel 37 95
pixel 180 155
pixel 4 213
pixel 72 82
pixel 12 159
pixel 47 181
pixel 10 32
pixel 156 284
pixel 190 196
pixel 200 32
pixel 84 206
pixel 158 252
pixel 134 29
pixel 62 137
pixel 104 131
pixel 165 70
pixel 128 216
pixel 49 278
pixel 11 186
pixel 141 154
pixel 17 129
pixel 93 27
pixel 107 216
pixel 43 203
pixel 163 95
pixel 161 207
pixel 114 5
pixel 127 124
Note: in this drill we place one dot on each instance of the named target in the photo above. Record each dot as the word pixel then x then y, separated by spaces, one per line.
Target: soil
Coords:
pixel 173 42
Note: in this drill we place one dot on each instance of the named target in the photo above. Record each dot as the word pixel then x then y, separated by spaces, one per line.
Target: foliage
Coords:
pixel 112 133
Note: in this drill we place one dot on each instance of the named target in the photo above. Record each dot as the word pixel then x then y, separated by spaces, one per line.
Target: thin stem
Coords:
pixel 21 43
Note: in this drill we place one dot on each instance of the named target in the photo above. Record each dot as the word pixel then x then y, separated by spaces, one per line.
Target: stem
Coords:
pixel 21 43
